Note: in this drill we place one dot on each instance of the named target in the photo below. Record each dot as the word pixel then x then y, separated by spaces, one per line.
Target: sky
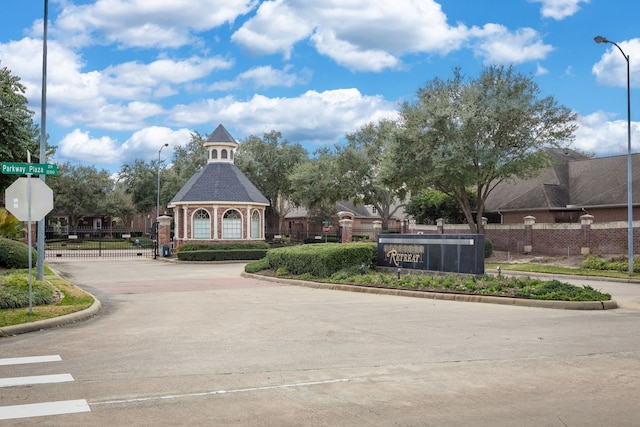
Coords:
pixel 124 77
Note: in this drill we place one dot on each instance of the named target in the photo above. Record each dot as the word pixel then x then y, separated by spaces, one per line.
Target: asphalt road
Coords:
pixel 199 345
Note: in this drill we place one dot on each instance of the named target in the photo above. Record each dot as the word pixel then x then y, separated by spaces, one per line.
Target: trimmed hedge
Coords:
pixel 222 246
pixel 321 260
pixel 222 255
pixel 15 254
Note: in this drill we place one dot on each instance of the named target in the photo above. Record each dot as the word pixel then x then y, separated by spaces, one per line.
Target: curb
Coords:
pixel 54 322
pixel 520 302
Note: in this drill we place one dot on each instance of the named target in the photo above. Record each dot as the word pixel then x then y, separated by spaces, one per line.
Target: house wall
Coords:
pixel 551 238
pixel 183 228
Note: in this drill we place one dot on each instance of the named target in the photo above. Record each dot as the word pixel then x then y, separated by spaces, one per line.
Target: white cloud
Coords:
pixel 612 67
pixel 80 147
pixel 559 9
pixel 144 23
pixel 313 117
pixel 264 77
pixel 606 134
pixel 145 143
pixel 363 35
pixel 540 70
pixel 497 45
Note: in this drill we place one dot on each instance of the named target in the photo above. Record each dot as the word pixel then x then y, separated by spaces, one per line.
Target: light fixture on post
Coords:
pixel 600 39
pixel 158 201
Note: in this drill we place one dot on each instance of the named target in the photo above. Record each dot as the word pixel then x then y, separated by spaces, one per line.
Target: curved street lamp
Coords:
pixel 600 39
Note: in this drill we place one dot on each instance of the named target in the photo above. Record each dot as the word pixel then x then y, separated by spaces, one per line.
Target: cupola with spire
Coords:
pixel 220 146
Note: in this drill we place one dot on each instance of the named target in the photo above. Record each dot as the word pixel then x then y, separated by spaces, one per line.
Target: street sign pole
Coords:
pixel 30 244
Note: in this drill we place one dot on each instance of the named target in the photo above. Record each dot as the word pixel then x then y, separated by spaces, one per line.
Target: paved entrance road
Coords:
pixel 198 345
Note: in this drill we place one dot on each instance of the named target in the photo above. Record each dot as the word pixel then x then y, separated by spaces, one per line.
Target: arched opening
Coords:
pixel 232 225
pixel 214 154
pixel 255 225
pixel 223 154
pixel 201 225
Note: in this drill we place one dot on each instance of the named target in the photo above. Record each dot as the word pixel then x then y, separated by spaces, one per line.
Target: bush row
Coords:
pixel 620 263
pixel 221 246
pixel 222 255
pixel 321 260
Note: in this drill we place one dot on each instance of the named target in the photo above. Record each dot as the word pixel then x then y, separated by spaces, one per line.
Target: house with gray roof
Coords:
pixel 574 186
pixel 218 203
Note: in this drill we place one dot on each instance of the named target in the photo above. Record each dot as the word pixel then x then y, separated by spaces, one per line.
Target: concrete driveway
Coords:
pixel 198 345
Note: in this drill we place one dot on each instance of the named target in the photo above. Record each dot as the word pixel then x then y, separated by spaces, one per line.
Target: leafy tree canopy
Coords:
pixel 462 134
pixel 429 205
pixel 79 191
pixel 18 133
pixel 267 162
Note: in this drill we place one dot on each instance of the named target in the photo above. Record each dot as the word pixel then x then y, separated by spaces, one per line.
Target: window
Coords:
pixel 231 154
pixel 201 224
pixel 232 225
pixel 255 225
pixel 223 154
pixel 214 154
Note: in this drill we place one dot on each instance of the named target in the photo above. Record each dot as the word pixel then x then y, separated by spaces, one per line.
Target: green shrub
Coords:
pixel 256 266
pixel 222 255
pixel 15 254
pixel 321 260
pixel 325 239
pixel 619 263
pixel 14 291
pixel 222 246
pixel 488 248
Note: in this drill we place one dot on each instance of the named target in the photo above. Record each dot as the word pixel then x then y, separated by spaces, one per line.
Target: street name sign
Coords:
pixel 12 168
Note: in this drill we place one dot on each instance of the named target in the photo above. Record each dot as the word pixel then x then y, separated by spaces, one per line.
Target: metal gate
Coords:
pixel 91 242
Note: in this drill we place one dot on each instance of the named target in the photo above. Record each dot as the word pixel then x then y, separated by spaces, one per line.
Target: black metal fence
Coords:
pixel 89 242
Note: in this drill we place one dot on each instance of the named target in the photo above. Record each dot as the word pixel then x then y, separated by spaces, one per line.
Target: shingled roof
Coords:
pixel 219 182
pixel 574 181
pixel 220 134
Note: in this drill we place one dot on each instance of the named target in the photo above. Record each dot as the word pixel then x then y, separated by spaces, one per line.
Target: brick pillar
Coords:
pixel 528 233
pixel 164 232
pixel 377 228
pixel 440 225
pixel 347 230
pixel 586 221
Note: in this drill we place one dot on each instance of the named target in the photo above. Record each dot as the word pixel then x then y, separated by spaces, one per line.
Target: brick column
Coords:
pixel 528 233
pixel 440 225
pixel 585 222
pixel 347 230
pixel 164 232
pixel 377 228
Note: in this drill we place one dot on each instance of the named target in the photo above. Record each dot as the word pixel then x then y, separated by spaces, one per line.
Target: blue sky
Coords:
pixel 127 76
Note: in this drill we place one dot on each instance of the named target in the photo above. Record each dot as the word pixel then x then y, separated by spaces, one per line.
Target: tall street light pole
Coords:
pixel 158 203
pixel 600 39
pixel 43 138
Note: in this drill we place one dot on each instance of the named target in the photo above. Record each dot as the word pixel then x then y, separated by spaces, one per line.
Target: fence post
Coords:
pixel 377 228
pixel 164 232
pixel 440 225
pixel 528 233
pixel 585 222
pixel 347 230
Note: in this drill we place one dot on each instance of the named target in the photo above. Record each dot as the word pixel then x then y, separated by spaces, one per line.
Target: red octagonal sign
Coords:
pixel 16 198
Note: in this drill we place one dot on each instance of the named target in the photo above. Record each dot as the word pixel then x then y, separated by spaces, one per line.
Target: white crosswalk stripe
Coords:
pixel 39 409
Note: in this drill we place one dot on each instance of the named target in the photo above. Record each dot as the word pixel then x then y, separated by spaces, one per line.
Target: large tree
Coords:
pixel 186 161
pixel 79 191
pixel 428 205
pixel 140 180
pixel 317 183
pixel 362 164
pixel 18 133
pixel 267 162
pixel 463 134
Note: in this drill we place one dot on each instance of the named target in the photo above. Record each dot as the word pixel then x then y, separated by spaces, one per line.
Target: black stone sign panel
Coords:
pixel 451 253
